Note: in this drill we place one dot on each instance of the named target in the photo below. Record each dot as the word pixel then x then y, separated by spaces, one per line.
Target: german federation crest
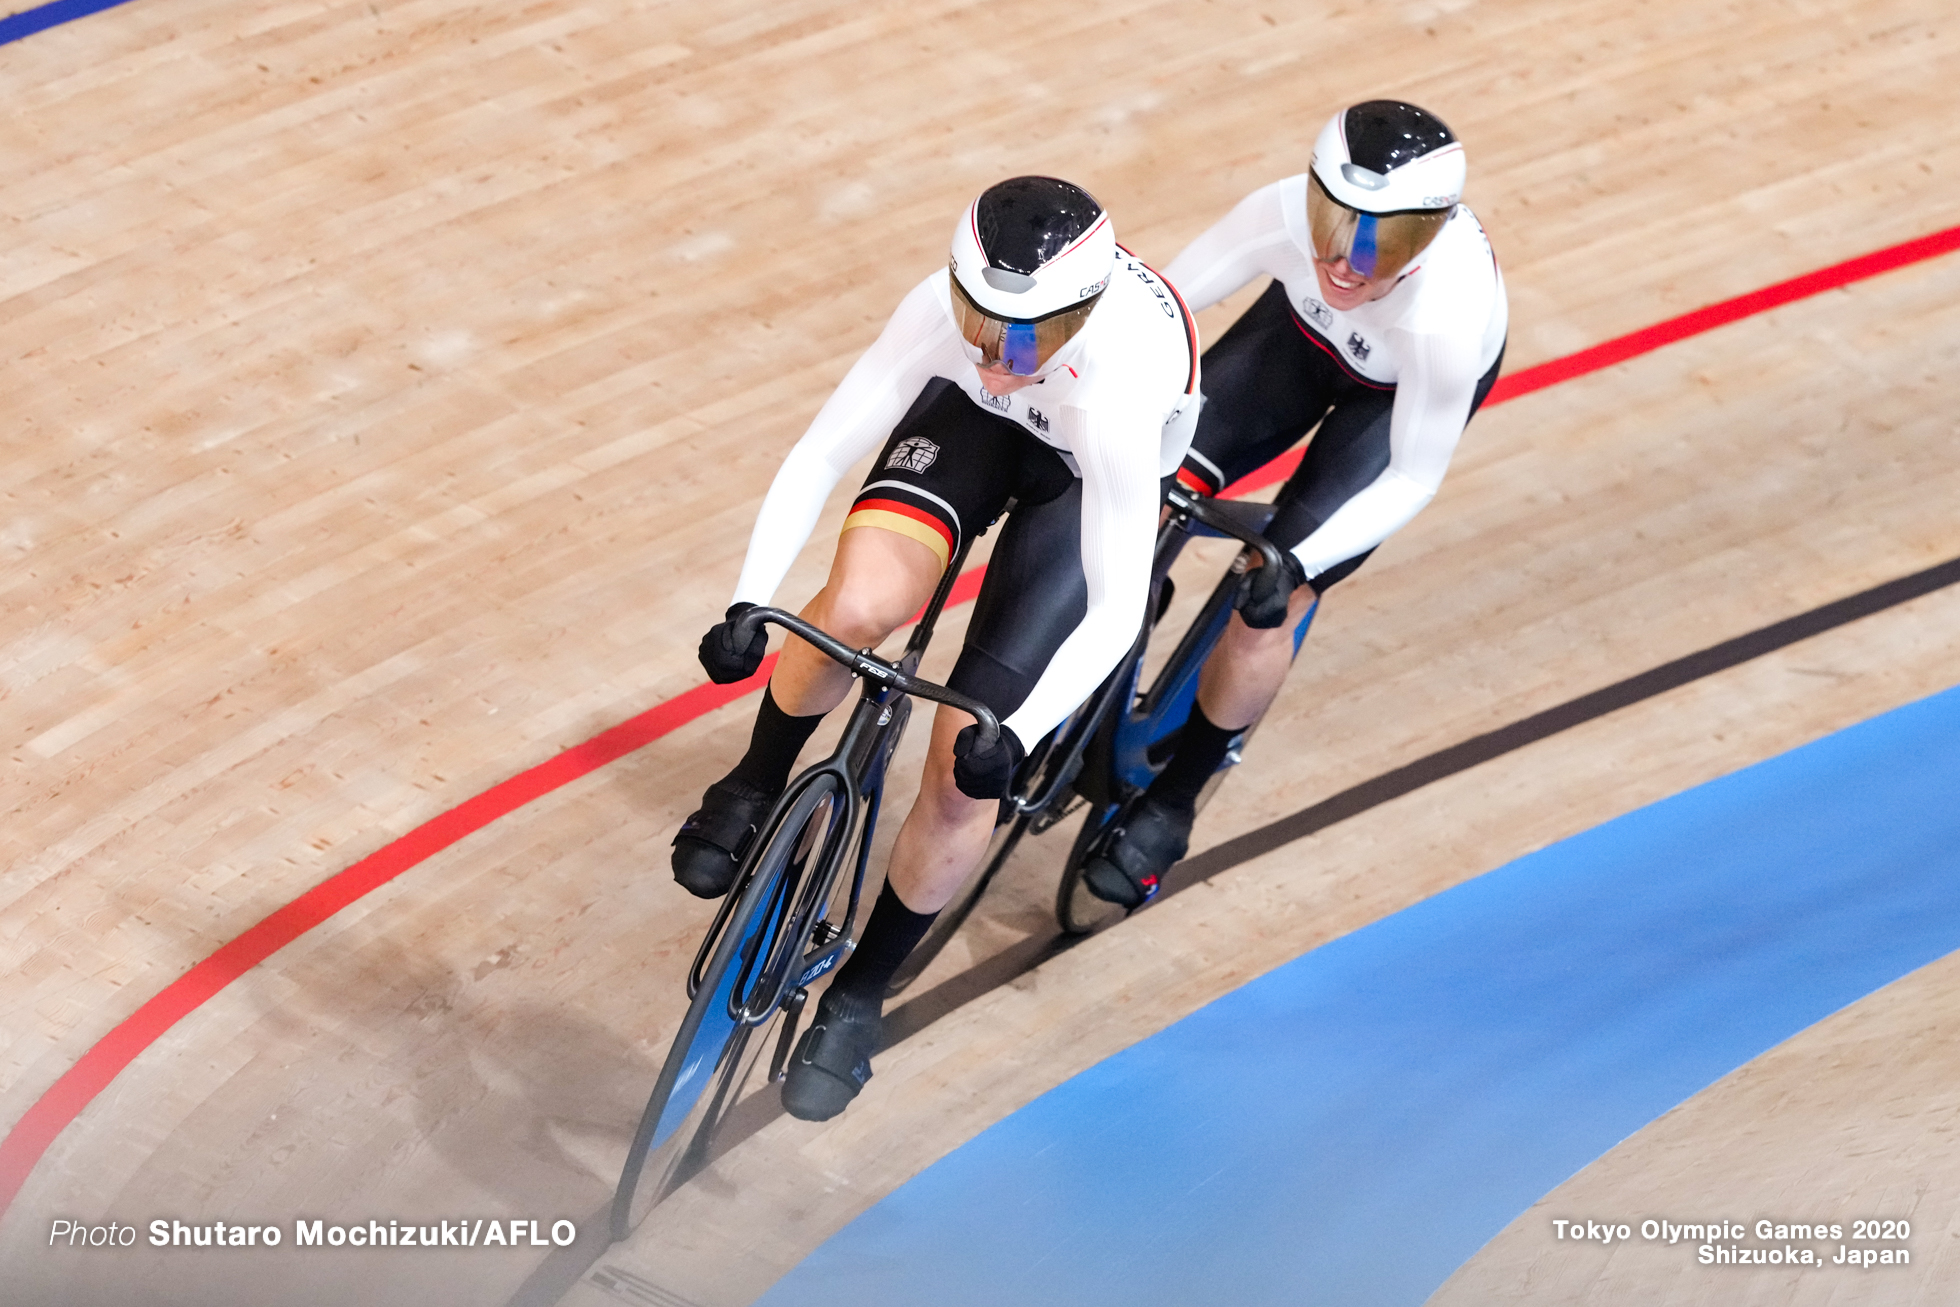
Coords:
pixel 913 454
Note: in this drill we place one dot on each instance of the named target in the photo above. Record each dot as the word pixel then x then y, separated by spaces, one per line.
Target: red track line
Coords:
pixel 31 1136
pixel 1648 339
pixel 76 1089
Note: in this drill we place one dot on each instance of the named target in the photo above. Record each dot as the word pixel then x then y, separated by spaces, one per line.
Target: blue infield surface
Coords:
pixel 27 22
pixel 1352 1126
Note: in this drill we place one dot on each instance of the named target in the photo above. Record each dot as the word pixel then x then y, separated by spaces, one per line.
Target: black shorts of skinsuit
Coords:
pixel 1267 380
pixel 947 473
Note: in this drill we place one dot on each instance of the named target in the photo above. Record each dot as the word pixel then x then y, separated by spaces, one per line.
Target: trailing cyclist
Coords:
pixel 1385 324
pixel 1045 367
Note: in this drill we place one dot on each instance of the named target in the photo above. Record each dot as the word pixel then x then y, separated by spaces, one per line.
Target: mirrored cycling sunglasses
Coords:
pixel 1376 245
pixel 1025 346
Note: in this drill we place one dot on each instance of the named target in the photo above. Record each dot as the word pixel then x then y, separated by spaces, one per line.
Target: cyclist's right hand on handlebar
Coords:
pixel 725 663
pixel 1265 591
pixel 985 774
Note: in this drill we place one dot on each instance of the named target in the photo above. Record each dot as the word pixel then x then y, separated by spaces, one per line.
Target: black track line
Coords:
pixel 1004 968
pixel 910 1018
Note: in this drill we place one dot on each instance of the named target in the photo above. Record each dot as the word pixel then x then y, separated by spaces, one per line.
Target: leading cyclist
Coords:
pixel 1047 368
pixel 1385 324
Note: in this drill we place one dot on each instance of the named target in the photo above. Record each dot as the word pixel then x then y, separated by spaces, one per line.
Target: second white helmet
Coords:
pixel 1385 178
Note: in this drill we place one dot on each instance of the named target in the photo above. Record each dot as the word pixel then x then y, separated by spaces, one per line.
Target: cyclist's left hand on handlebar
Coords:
pixel 725 663
pixel 985 775
pixel 1264 594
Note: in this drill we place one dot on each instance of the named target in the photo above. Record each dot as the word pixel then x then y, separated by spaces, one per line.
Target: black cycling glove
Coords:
pixel 1265 591
pixel 725 663
pixel 985 775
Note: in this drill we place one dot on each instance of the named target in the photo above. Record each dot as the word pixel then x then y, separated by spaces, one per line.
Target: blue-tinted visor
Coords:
pixel 1378 246
pixel 1018 348
pixel 1025 347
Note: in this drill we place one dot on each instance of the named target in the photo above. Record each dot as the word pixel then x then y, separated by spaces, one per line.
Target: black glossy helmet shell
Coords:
pixel 1024 222
pixel 1382 135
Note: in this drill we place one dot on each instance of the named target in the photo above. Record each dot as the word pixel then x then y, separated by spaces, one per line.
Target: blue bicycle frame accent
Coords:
pixel 1163 709
pixel 1168 704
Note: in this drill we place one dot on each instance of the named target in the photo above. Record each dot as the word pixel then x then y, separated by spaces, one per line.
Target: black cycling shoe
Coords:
pixel 711 843
pixel 1130 866
pixel 832 1060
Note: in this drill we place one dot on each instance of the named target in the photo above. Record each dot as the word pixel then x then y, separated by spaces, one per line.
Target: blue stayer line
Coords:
pixel 29 21
pixel 1353 1126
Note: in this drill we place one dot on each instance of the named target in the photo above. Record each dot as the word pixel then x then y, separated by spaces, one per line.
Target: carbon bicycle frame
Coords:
pixel 855 771
pixel 1143 721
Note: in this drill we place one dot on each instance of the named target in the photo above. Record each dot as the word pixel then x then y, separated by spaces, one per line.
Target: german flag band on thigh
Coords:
pixel 950 469
pixel 911 512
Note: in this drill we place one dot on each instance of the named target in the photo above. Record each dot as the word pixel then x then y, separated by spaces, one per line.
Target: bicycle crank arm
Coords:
pixel 792 1014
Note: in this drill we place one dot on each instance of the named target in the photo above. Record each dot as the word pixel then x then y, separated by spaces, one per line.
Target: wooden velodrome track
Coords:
pixel 389 388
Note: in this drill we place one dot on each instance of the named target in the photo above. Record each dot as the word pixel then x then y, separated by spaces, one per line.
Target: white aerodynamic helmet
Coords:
pixel 1030 258
pixel 1385 178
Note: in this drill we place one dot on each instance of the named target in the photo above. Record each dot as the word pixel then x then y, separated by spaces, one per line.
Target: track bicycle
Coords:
pixel 788 918
pixel 1105 755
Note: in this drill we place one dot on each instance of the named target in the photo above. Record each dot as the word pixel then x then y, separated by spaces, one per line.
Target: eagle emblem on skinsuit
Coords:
pixel 913 454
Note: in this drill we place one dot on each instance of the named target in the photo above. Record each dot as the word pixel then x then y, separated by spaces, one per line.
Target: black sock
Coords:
pixel 893 931
pixel 1200 748
pixel 773 746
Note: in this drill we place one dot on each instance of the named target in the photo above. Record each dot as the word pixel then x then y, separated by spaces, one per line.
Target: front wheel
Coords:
pixel 715 1054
